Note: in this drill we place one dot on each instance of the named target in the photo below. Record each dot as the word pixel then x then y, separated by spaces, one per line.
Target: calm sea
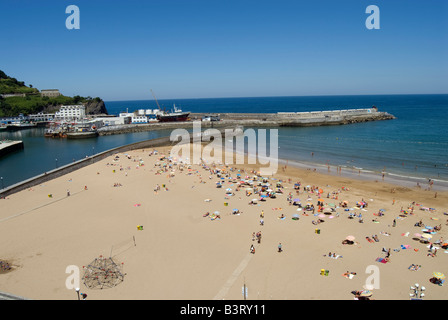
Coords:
pixel 413 147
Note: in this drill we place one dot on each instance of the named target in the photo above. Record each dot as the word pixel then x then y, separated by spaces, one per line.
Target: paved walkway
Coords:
pixel 9 296
pixel 236 273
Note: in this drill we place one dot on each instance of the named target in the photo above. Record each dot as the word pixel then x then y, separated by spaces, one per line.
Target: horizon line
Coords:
pixel 291 96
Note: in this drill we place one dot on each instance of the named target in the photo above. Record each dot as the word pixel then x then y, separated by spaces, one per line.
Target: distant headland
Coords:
pixel 17 98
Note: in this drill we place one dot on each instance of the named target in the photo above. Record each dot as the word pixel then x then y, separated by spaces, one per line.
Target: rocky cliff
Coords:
pixel 95 107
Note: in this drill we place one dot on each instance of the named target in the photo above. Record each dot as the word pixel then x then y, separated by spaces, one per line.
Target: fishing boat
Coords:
pixel 176 115
pixel 56 129
pixel 82 131
pixel 51 133
pixel 82 134
pixel 173 116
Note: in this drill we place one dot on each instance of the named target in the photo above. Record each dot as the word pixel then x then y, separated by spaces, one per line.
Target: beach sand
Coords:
pixel 180 254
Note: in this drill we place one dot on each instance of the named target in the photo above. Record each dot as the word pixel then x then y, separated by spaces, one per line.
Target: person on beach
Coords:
pixel 252 249
pixel 280 247
pixel 394 223
pixel 259 236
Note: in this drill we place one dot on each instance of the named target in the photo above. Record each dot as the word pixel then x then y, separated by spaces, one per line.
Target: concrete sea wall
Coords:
pixel 10 146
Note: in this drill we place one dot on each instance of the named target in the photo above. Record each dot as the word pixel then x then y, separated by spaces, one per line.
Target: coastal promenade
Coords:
pixel 281 119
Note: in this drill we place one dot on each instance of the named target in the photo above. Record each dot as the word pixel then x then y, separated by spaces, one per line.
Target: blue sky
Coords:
pixel 226 48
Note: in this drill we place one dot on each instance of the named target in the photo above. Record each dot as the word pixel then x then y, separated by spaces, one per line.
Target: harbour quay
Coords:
pixel 8 146
pixel 280 119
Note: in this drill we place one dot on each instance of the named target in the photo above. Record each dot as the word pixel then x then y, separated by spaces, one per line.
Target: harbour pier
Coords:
pixel 8 146
pixel 280 119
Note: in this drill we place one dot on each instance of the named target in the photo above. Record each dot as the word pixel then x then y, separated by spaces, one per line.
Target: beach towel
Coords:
pixel 414 267
pixel 406 246
pixel 382 260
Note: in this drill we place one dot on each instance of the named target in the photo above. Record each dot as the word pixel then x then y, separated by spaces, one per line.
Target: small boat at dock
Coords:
pixel 15 126
pixel 82 134
pixel 82 131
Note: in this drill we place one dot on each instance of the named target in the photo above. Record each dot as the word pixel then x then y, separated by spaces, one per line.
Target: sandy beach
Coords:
pixel 180 252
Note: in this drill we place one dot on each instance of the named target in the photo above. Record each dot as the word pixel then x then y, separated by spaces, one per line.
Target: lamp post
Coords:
pixel 56 163
pixel 77 291
pixel 1 178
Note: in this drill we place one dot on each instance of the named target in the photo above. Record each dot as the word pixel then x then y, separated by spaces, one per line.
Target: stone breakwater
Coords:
pixel 281 119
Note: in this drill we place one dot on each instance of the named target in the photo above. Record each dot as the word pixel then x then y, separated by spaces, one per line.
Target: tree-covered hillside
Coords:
pixel 33 102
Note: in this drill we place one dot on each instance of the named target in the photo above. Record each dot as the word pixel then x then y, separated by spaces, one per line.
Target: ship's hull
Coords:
pixel 16 127
pixel 173 117
pixel 81 135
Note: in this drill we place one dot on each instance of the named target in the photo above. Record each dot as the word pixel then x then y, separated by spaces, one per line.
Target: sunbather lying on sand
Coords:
pixel 414 267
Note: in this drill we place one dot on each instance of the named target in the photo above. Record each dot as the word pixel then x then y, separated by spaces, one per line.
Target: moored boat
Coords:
pixel 82 134
pixel 176 115
pixel 15 126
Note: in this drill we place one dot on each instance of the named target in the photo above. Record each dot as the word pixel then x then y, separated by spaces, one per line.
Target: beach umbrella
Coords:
pixel 228 189
pixel 438 275
pixel 350 238
pixel 365 293
pixel 296 200
pixel 295 216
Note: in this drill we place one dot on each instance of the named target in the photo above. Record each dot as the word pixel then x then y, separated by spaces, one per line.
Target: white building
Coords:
pixel 111 120
pixel 50 93
pixel 73 112
pixel 140 116
pixel 41 117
